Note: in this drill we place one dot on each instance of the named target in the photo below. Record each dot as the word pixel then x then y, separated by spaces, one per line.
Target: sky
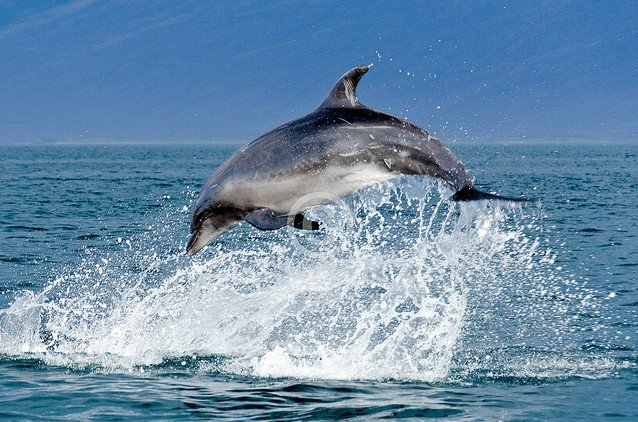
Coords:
pixel 228 71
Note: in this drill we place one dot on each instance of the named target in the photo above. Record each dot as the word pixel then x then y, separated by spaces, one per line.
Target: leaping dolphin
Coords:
pixel 339 148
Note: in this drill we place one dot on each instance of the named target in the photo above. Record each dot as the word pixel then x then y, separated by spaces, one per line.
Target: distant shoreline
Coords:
pixel 526 142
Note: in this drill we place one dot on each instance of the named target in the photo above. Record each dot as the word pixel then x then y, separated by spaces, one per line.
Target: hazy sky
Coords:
pixel 228 71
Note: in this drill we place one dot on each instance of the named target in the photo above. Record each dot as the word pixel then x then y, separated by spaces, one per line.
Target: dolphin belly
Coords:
pixel 282 194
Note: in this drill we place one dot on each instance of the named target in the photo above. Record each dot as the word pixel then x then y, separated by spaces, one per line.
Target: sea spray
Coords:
pixel 401 283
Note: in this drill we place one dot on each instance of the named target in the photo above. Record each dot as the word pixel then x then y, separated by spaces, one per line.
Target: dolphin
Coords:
pixel 339 148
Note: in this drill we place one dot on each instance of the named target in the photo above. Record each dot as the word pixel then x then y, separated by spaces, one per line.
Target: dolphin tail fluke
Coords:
pixel 472 194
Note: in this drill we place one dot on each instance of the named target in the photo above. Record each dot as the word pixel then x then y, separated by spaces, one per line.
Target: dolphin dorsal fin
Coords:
pixel 344 93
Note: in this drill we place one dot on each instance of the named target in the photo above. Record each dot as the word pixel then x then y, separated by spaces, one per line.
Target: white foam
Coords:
pixel 384 296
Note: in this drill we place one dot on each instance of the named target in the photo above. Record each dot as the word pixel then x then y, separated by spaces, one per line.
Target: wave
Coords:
pixel 401 284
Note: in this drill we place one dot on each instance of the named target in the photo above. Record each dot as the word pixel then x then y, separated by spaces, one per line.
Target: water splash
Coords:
pixel 410 287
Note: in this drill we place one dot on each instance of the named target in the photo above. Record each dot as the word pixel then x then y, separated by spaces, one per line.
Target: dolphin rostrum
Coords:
pixel 339 148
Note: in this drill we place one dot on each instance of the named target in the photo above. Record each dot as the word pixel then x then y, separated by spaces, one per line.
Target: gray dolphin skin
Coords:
pixel 339 148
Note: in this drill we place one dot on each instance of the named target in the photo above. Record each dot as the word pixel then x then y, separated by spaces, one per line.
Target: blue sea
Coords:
pixel 405 306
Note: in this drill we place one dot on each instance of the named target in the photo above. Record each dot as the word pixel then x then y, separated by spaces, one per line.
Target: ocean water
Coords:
pixel 406 305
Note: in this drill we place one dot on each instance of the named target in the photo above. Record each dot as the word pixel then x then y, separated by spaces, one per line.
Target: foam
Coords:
pixel 398 286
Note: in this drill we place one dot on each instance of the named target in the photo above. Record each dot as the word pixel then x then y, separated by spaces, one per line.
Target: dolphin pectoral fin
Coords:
pixel 265 219
pixel 300 222
pixel 472 194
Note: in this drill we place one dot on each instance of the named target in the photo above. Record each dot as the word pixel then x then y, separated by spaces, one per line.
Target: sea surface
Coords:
pixel 405 306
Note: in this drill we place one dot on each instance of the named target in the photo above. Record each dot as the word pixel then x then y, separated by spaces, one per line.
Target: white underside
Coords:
pixel 286 195
pixel 291 194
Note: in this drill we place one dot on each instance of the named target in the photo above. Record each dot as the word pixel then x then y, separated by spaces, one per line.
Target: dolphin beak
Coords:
pixel 194 244
pixel 200 237
pixel 204 234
